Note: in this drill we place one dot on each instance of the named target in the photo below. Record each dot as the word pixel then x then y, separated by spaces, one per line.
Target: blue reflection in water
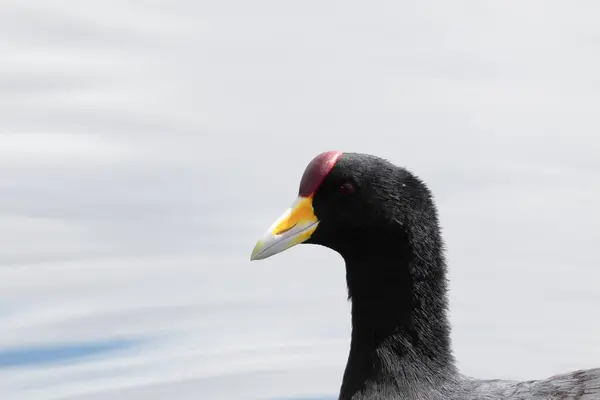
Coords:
pixel 59 353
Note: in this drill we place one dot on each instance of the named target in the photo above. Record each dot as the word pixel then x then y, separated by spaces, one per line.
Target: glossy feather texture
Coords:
pixel 388 233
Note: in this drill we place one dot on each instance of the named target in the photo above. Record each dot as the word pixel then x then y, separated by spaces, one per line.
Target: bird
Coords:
pixel 383 221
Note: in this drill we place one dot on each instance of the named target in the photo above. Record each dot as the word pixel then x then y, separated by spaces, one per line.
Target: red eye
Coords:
pixel 346 188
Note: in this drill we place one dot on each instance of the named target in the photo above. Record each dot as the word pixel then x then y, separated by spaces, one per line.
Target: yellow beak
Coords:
pixel 295 226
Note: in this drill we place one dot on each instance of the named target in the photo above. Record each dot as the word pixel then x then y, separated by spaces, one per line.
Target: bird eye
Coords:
pixel 346 188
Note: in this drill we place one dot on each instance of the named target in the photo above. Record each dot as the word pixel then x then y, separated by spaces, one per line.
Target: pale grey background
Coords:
pixel 146 145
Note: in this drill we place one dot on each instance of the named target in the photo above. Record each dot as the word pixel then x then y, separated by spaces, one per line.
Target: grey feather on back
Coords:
pixel 576 385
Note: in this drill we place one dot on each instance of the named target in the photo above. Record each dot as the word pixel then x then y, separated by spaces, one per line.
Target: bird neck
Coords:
pixel 400 332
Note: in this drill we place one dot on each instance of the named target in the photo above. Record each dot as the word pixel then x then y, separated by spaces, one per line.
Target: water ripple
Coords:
pixel 59 353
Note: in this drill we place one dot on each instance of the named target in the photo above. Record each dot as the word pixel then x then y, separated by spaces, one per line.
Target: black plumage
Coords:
pixel 383 221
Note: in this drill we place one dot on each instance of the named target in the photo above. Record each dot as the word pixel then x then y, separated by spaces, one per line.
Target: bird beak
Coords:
pixel 295 226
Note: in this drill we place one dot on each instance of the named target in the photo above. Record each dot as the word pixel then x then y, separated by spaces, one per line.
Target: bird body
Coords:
pixel 577 385
pixel 383 221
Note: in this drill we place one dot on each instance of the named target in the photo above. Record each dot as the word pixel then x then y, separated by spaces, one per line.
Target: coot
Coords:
pixel 383 221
